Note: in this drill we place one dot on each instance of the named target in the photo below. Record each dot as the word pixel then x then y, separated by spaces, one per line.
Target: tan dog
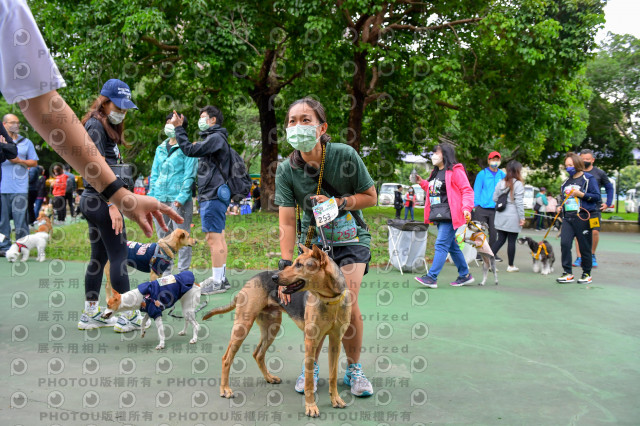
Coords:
pixel 44 223
pixel 167 247
pixel 320 305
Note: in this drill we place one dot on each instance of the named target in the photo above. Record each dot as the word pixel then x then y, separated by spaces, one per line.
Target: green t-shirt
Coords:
pixel 343 169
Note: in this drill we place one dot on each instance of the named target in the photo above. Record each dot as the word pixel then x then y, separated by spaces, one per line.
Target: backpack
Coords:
pixel 237 178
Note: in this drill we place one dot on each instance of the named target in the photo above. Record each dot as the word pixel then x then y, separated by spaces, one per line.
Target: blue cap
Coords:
pixel 119 93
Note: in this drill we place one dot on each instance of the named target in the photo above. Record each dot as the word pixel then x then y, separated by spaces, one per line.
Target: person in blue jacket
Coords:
pixel 582 195
pixel 172 176
pixel 483 189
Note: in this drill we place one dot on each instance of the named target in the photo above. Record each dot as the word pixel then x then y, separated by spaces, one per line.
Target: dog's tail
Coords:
pixel 221 310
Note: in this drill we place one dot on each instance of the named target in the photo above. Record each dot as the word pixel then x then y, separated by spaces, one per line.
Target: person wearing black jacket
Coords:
pixel 107 234
pixel 41 191
pixel 583 200
pixel 397 201
pixel 213 194
pixel 8 150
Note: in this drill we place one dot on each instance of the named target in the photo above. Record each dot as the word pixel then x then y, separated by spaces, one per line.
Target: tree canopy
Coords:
pixel 394 76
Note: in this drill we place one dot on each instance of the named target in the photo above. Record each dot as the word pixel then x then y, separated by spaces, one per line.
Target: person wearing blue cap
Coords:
pixel 104 122
pixel 24 54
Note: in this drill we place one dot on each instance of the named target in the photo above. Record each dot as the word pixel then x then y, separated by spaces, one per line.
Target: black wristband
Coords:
pixel 342 204
pixel 112 188
pixel 283 264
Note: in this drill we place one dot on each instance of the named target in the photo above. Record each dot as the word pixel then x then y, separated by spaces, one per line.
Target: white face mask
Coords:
pixel 170 130
pixel 116 117
pixel 302 137
pixel 494 164
pixel 436 159
pixel 203 123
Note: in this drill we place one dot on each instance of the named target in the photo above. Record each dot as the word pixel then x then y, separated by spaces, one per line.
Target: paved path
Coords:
pixel 528 351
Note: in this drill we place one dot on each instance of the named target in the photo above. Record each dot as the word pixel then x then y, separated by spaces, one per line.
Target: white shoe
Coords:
pixel 512 269
pixel 131 322
pixel 91 320
pixel 210 286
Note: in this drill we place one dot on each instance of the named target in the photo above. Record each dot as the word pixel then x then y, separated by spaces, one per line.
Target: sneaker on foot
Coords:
pixel 130 322
pixel 460 281
pixel 594 262
pixel 299 387
pixel 360 385
pixel 565 278
pixel 427 281
pixel 210 286
pixel 585 278
pixel 498 259
pixel 91 320
pixel 512 269
pixel 577 263
pixel 225 284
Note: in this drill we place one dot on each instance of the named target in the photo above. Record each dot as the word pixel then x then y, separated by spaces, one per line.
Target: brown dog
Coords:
pixel 166 247
pixel 320 305
pixel 44 223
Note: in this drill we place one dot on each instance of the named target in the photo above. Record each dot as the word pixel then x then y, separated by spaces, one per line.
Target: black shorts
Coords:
pixel 595 214
pixel 346 255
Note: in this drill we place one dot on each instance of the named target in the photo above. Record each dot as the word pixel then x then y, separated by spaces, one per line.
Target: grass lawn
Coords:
pixel 605 216
pixel 253 240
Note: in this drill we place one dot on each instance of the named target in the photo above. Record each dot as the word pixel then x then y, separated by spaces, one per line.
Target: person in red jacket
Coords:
pixel 59 192
pixel 448 204
pixel 409 204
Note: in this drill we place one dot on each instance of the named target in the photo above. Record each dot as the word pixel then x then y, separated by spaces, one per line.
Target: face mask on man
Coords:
pixel 170 130
pixel 571 170
pixel 587 164
pixel 13 128
pixel 494 164
pixel 436 159
pixel 116 117
pixel 302 137
pixel 203 124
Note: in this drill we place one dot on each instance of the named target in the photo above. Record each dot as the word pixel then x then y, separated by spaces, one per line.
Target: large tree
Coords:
pixel 484 75
pixel 181 56
pixel 614 77
pixel 394 75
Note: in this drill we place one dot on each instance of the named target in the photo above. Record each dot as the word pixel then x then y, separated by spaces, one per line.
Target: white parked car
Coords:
pixel 386 196
pixel 529 196
pixel 631 202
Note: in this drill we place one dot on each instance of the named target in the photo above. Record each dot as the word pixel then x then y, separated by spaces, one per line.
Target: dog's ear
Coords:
pixel 320 255
pixel 303 248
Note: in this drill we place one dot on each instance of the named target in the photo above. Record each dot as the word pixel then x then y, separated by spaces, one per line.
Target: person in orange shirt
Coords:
pixel 59 192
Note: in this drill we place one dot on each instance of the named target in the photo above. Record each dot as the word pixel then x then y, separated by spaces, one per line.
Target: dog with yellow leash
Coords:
pixel 542 254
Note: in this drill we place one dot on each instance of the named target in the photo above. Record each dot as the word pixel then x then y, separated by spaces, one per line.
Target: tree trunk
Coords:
pixel 359 93
pixel 269 161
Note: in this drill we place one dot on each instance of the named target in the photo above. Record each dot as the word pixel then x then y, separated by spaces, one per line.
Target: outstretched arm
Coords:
pixel 70 140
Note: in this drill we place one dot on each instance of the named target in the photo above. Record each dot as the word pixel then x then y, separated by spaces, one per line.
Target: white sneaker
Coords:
pixel 299 387
pixel 91 320
pixel 512 269
pixel 210 286
pixel 131 322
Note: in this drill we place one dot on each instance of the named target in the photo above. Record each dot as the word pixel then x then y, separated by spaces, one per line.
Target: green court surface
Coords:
pixel 526 352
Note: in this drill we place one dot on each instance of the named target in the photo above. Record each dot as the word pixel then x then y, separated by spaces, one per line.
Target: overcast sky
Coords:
pixel 622 18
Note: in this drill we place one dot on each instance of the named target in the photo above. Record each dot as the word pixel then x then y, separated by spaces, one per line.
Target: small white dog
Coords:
pixel 153 297
pixel 19 250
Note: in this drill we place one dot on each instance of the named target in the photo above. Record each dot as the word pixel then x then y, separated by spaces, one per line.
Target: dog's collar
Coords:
pixel 21 246
pixel 333 300
pixel 173 251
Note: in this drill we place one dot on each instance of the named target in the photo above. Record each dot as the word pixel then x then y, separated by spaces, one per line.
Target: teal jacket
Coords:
pixel 172 174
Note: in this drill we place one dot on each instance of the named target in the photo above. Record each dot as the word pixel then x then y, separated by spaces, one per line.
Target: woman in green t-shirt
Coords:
pixel 345 177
